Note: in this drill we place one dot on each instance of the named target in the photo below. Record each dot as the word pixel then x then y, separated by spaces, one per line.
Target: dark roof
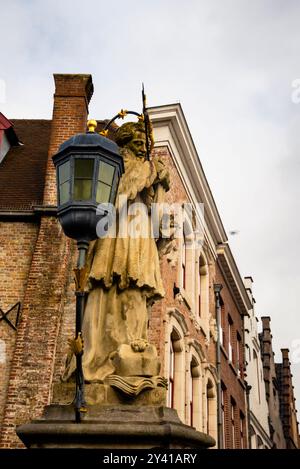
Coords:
pixel 22 171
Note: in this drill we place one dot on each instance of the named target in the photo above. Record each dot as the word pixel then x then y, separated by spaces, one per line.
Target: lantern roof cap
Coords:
pixel 90 139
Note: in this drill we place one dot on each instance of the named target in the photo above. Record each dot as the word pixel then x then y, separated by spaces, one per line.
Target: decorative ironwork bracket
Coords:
pixel 3 315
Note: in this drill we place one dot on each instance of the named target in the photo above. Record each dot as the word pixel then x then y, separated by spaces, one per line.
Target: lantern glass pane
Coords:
pixel 64 192
pixel 106 173
pixel 83 178
pixel 103 193
pixel 82 189
pixel 84 168
pixel 64 172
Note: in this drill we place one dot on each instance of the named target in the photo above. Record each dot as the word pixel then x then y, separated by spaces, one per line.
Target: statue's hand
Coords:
pixel 138 345
pixel 76 345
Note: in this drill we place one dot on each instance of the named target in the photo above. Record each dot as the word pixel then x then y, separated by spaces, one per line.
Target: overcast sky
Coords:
pixel 231 64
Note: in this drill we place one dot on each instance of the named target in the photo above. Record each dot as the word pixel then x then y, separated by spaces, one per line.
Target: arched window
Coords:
pixel 171 375
pixel 210 411
pixel 232 422
pixel 223 410
pixel 183 262
pixel 253 438
pixel 260 443
pixel 176 361
pixel 211 407
pixel 194 394
pixel 176 371
pixel 256 365
pixel 242 429
pixel 202 287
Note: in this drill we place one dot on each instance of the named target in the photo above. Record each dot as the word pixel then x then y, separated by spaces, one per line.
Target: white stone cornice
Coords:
pixel 171 130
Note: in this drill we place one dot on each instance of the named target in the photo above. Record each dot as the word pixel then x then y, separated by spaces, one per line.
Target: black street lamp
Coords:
pixel 88 170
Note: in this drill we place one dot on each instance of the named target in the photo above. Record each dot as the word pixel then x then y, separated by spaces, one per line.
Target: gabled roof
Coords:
pixel 22 172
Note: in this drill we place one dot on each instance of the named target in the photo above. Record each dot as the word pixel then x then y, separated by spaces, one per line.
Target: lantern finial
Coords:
pixel 91 125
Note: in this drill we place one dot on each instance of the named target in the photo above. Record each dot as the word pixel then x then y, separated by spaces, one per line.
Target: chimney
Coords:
pixel 70 110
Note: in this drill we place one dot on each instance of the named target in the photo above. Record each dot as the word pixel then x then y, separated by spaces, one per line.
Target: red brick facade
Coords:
pixel 232 370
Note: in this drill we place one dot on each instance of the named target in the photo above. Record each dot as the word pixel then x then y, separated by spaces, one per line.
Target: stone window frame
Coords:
pixel 211 403
pixel 176 329
pixel 195 382
pixel 202 273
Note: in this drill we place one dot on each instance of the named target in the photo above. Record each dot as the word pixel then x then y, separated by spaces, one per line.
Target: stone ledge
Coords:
pixel 112 427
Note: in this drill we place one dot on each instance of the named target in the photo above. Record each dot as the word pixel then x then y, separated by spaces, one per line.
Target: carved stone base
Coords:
pixel 104 394
pixel 112 427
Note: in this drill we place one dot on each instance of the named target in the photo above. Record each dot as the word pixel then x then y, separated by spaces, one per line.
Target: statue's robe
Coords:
pixel 124 275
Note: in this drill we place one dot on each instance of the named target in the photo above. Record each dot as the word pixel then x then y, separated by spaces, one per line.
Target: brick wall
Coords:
pixel 33 360
pixel 17 242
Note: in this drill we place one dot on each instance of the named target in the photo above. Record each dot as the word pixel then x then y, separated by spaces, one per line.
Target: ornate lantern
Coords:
pixel 88 169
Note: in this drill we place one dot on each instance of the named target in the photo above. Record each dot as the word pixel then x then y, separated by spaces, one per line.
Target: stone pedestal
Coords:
pixel 112 427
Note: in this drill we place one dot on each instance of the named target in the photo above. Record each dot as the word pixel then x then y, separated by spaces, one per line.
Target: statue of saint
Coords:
pixel 124 274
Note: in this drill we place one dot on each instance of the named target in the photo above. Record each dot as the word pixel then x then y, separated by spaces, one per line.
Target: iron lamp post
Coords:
pixel 88 169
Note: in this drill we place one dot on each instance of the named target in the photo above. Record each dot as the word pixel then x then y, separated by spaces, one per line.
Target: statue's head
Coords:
pixel 132 136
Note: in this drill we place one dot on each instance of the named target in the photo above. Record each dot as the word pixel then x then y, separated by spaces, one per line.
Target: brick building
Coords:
pixel 271 385
pixel 36 262
pixel 258 411
pixel 283 422
pixel 234 305
pixel 288 412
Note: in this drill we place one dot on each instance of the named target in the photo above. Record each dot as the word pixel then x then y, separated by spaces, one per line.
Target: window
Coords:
pixel 242 424
pixel 239 355
pixel 260 443
pixel 223 401
pixel 175 370
pixel 232 419
pixel 253 438
pixel 191 394
pixel 202 289
pixel 199 287
pixel 194 414
pixel 183 263
pixel 255 358
pixel 222 324
pixel 171 375
pixel 211 404
pixel 230 336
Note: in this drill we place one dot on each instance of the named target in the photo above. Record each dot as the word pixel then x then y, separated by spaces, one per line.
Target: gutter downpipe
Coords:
pixel 217 289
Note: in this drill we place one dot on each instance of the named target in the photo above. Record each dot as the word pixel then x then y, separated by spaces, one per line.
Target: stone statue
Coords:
pixel 124 278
